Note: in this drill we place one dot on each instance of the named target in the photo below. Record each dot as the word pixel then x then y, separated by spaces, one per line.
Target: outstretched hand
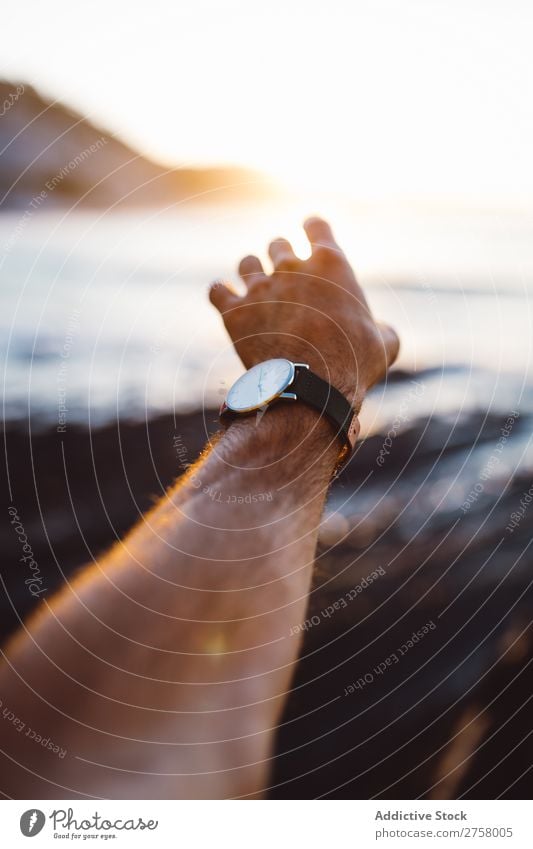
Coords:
pixel 311 311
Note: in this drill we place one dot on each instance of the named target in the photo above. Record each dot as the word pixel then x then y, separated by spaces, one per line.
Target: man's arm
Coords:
pixel 162 670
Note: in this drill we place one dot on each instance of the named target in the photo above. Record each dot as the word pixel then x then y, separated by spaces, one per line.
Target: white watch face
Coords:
pixel 259 385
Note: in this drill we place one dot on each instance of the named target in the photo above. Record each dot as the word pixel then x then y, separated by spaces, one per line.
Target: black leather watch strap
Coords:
pixel 318 393
pixel 312 390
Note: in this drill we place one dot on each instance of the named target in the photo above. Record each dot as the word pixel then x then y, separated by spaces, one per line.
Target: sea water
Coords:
pixel 105 313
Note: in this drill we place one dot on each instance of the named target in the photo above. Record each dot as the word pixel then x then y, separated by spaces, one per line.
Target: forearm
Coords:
pixel 181 636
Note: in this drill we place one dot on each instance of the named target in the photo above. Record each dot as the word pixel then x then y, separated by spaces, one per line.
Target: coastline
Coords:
pixel 404 550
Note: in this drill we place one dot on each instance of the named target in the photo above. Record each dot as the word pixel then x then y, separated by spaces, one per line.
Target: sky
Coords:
pixel 374 98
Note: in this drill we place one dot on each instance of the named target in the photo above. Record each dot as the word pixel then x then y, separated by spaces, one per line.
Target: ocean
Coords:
pixel 105 314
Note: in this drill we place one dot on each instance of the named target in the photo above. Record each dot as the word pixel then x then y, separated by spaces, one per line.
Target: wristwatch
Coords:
pixel 282 380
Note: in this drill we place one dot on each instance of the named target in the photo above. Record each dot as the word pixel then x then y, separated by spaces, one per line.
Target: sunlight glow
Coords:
pixel 370 98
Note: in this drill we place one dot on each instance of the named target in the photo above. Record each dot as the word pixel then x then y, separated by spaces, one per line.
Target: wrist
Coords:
pixel 298 406
pixel 275 472
pixel 287 436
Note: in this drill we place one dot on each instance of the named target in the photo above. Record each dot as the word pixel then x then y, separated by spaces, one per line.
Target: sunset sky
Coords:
pixel 373 97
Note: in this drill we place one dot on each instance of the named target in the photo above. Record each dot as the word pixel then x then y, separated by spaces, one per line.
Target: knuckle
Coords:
pixel 327 254
pixel 286 262
pixel 260 288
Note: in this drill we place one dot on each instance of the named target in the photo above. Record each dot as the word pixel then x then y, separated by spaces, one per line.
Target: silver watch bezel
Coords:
pixel 279 394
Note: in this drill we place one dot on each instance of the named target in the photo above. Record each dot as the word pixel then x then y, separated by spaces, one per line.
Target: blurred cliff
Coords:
pixel 48 150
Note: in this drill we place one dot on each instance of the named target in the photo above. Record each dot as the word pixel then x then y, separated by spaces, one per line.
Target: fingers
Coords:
pixel 282 254
pixel 251 270
pixel 222 296
pixel 320 234
pixel 391 342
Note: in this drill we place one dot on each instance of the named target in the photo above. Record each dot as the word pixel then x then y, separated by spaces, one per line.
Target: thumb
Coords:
pixel 391 342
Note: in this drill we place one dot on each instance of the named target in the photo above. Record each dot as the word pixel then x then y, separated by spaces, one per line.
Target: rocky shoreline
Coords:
pixel 407 727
